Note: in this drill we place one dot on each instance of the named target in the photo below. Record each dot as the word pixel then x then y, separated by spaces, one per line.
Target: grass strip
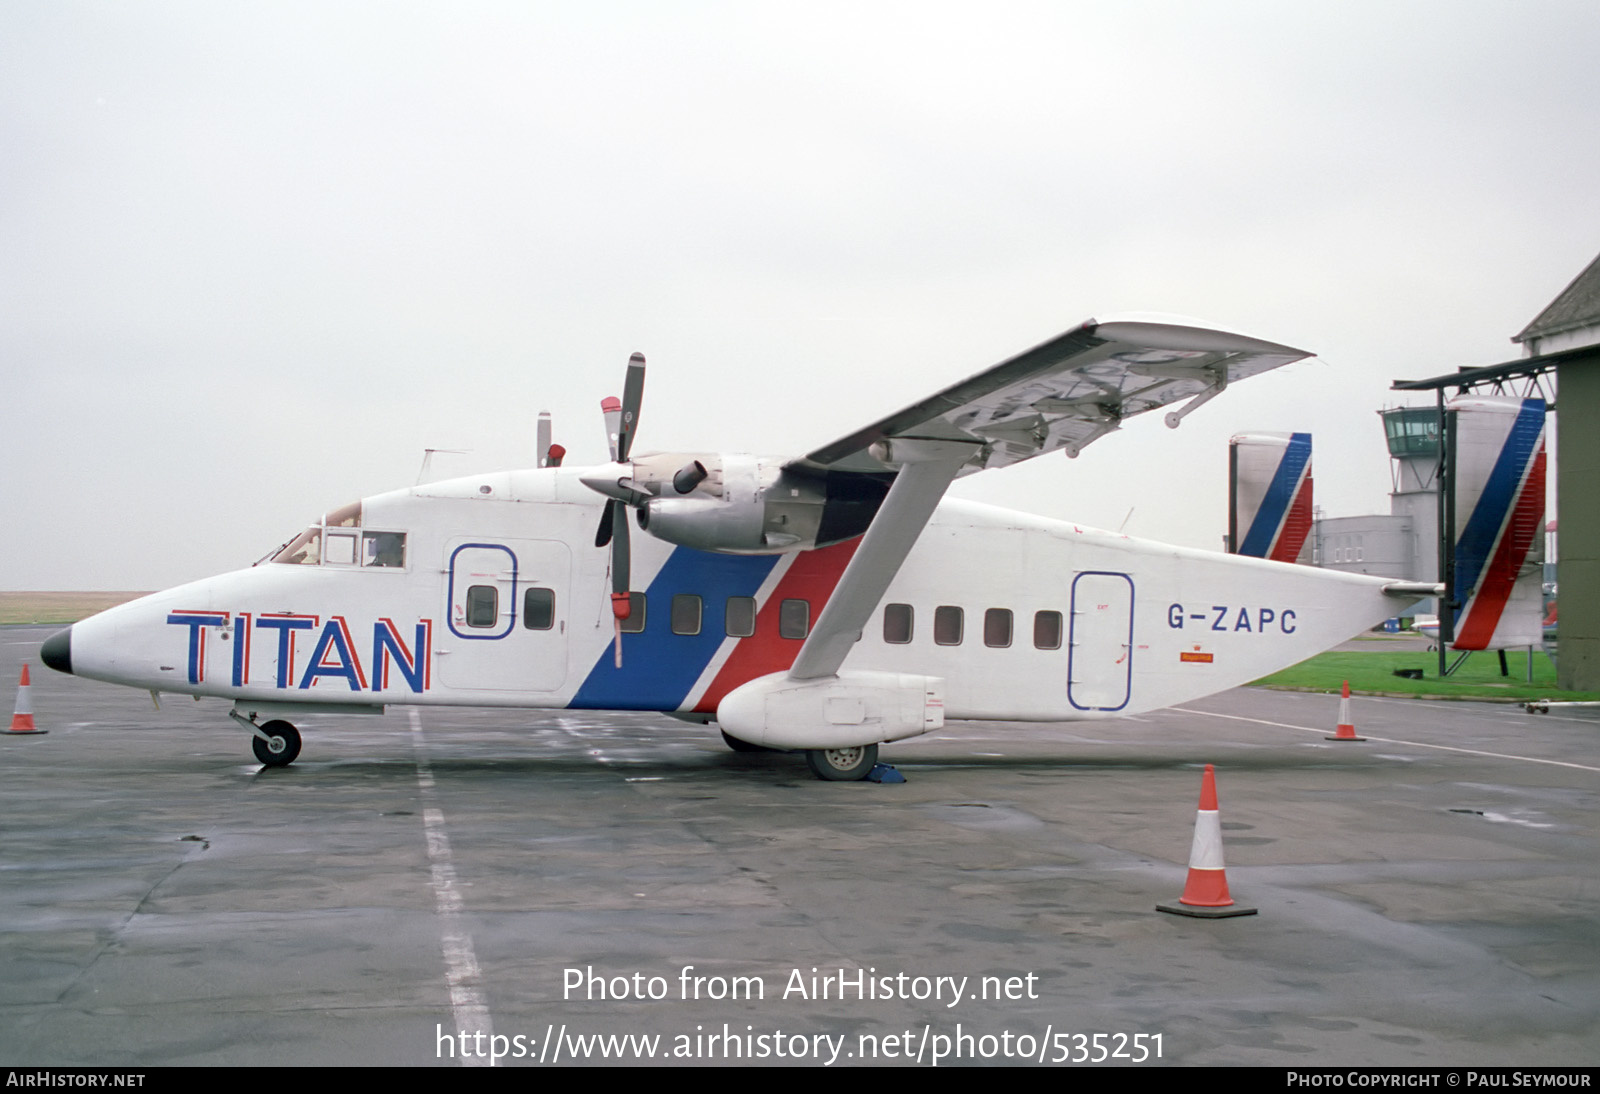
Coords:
pixel 1373 673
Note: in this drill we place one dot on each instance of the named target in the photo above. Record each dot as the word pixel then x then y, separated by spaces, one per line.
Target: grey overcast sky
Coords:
pixel 255 257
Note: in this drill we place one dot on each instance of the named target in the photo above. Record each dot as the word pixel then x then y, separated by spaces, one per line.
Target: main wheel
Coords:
pixel 281 746
pixel 842 764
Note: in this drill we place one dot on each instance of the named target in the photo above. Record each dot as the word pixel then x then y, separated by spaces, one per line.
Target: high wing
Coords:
pixel 1066 393
pixel 1063 394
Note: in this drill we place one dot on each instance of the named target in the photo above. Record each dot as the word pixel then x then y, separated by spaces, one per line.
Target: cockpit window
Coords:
pixel 346 516
pixel 383 549
pixel 327 543
pixel 307 548
pixel 304 549
pixel 339 547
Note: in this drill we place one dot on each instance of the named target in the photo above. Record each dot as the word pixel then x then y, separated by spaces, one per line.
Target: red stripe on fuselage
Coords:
pixel 811 577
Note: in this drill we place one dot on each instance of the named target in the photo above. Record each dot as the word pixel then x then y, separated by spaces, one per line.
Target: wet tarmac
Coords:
pixel 1430 896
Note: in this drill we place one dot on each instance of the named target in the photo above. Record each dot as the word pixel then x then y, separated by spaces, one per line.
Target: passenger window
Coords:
pixel 538 609
pixel 685 614
pixel 483 605
pixel 634 624
pixel 947 622
pixel 794 618
pixel 897 623
pixel 739 618
pixel 341 549
pixel 383 549
pixel 997 627
pixel 1047 630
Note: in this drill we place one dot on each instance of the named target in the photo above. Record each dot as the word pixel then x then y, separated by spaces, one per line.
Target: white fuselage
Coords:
pixel 502 599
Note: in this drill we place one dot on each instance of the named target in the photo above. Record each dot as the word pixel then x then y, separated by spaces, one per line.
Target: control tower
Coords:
pixel 1414 452
pixel 1404 543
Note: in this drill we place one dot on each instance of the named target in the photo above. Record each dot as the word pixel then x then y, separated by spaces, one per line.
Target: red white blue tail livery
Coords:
pixel 1499 483
pixel 1269 514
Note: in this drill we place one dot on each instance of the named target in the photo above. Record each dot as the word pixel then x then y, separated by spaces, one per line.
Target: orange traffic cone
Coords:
pixel 1347 729
pixel 22 720
pixel 1205 894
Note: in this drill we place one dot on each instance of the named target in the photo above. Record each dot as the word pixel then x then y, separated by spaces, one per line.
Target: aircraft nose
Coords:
pixel 57 651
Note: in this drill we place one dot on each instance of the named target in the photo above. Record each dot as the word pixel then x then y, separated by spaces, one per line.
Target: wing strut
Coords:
pixel 927 468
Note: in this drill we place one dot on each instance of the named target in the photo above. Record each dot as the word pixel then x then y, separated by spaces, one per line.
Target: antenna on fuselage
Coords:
pixel 427 461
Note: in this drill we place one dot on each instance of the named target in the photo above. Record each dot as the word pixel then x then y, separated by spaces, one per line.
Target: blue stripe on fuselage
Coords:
pixel 659 667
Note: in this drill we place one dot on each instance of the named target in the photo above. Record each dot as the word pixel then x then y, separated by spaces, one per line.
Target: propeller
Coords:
pixel 622 420
pixel 620 482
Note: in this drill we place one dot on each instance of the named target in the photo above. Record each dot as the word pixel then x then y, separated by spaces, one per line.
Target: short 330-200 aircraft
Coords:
pixel 824 604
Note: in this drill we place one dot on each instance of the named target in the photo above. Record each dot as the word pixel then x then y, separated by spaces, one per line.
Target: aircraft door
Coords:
pixel 1100 661
pixel 507 608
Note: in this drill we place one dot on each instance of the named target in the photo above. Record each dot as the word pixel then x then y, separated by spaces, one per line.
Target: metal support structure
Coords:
pixel 247 724
pixel 1446 509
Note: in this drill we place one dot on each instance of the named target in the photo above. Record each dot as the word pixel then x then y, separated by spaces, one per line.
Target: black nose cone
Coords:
pixel 57 651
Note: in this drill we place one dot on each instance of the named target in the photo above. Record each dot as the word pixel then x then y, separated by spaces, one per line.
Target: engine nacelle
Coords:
pixel 750 505
pixel 853 708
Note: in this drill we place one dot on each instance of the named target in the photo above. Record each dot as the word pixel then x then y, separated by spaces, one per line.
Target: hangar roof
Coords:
pixel 1578 305
pixel 1466 378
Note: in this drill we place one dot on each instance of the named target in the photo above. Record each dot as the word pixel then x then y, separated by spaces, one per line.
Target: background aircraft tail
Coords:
pixel 1497 472
pixel 1269 496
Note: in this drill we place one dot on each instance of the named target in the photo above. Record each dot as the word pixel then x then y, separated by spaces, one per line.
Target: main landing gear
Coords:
pixel 830 764
pixel 842 764
pixel 275 743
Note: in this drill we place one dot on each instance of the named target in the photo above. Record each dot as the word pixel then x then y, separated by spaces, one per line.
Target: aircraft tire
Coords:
pixel 281 749
pixel 842 764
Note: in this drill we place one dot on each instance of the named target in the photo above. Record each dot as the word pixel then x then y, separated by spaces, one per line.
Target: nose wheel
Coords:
pixel 842 764
pixel 280 745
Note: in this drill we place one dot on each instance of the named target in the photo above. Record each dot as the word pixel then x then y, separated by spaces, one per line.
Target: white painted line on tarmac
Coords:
pixel 461 969
pixel 1323 732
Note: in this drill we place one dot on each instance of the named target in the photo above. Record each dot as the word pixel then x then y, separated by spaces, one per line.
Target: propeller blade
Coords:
pixel 621 599
pixel 619 565
pixel 611 410
pixel 622 421
pixel 632 401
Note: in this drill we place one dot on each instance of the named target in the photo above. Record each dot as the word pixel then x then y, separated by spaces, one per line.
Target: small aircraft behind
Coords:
pixel 826 604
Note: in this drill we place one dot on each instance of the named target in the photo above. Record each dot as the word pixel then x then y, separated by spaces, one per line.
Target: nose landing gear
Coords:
pixel 280 745
pixel 275 743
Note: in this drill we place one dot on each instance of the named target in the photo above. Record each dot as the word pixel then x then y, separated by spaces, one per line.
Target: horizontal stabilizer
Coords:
pixel 1413 590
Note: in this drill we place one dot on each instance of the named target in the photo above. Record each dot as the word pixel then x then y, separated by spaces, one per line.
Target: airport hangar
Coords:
pixel 1562 354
